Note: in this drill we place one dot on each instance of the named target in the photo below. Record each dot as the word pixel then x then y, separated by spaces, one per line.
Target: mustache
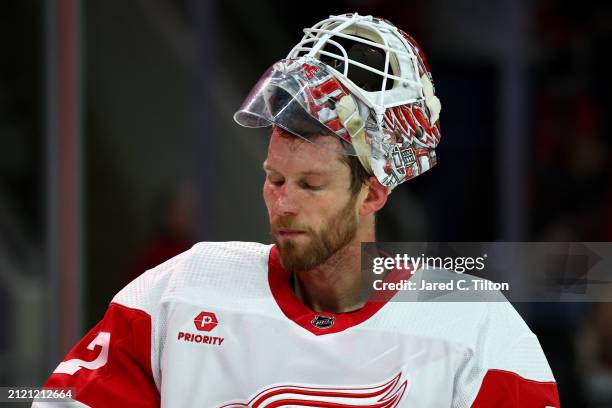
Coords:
pixel 289 223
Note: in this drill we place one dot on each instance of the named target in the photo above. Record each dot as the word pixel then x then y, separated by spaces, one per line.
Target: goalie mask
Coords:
pixel 362 80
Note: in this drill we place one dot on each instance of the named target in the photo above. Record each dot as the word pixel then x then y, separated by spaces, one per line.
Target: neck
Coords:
pixel 338 285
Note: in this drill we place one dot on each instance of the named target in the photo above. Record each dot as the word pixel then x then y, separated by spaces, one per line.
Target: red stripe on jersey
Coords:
pixel 505 389
pixel 124 377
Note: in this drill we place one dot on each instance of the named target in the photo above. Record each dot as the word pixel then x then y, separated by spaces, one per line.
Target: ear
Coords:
pixel 376 197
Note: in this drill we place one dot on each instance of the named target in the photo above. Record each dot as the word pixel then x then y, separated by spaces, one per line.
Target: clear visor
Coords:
pixel 302 97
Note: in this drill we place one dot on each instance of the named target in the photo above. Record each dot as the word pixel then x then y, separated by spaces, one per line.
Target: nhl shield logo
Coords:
pixel 323 322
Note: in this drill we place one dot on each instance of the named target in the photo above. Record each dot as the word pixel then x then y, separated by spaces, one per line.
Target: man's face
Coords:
pixel 312 212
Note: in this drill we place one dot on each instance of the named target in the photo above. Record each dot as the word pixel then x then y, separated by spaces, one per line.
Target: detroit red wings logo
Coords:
pixel 385 395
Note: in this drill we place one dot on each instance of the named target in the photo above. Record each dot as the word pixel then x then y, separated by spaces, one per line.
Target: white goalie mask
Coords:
pixel 363 80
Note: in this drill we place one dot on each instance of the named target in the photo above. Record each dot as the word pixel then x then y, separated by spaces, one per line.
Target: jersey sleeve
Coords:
pixel 116 364
pixel 519 378
pixel 508 368
pixel 111 365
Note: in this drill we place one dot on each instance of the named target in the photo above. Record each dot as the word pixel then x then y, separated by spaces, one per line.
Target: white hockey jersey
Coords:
pixel 219 326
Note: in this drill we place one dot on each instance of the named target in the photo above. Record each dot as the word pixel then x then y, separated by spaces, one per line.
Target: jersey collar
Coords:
pixel 321 323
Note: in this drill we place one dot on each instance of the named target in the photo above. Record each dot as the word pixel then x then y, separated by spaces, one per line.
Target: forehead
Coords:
pixel 287 152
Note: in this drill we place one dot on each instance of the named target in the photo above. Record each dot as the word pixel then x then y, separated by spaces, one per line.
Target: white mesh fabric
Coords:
pixel 466 339
pixel 145 291
pixel 235 271
pixel 504 343
pixel 526 357
pixel 206 266
pixel 484 336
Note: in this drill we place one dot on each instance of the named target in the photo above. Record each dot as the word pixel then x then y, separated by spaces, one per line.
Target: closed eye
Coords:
pixel 312 187
pixel 276 182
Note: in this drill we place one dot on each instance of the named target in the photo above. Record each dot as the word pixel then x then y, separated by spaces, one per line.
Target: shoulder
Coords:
pixel 481 322
pixel 466 318
pixel 205 264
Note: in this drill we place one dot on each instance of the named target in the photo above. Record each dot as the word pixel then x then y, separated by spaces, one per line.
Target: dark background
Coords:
pixel 119 150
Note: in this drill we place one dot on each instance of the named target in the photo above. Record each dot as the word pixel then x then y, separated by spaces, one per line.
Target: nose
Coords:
pixel 286 200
